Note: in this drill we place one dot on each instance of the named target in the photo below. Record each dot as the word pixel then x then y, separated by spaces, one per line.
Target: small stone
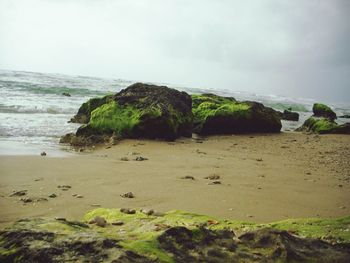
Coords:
pixel 60 219
pixel 26 200
pixel 214 182
pixel 125 159
pixel 140 158
pixel 128 195
pixel 79 196
pixel 64 187
pixel 95 205
pixel 40 199
pixel 188 177
pixel 99 221
pixel 308 173
pixel 212 177
pixel 52 195
pixel 147 211
pixel 127 211
pixel 38 179
pixel 340 185
pixel 118 223
pixel 19 193
pixel 259 160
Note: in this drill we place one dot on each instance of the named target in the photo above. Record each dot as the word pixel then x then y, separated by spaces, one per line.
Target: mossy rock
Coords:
pixel 142 111
pixel 84 112
pixel 176 236
pixel 324 126
pixel 322 110
pixel 224 115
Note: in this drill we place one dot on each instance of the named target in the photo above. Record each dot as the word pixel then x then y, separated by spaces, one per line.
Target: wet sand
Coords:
pixel 263 178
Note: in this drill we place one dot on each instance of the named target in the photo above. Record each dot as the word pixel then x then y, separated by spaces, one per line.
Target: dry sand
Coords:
pixel 263 178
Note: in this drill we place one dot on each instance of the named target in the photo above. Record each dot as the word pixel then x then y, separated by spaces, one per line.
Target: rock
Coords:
pixel 214 182
pixel 322 110
pixel 79 196
pixel 85 110
pixel 142 111
pixel 127 211
pixel 212 177
pixel 147 211
pixel 52 195
pixel 66 94
pixel 128 195
pixel 19 193
pixel 99 221
pixel 26 200
pixel 140 158
pixel 289 116
pixel 43 153
pixel 324 126
pixel 60 219
pixel 188 177
pixel 223 115
pixel 64 187
pixel 259 159
pixel 346 116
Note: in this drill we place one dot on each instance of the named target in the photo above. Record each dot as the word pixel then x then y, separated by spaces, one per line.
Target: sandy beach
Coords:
pixel 263 178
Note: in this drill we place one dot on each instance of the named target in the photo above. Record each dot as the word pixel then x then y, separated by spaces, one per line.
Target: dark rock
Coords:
pixel 118 223
pixel 26 200
pixel 66 94
pixel 52 195
pixel 214 182
pixel 289 116
pixel 99 221
pixel 147 211
pixel 345 116
pixel 188 177
pixel 43 153
pixel 221 115
pixel 322 110
pixel 213 177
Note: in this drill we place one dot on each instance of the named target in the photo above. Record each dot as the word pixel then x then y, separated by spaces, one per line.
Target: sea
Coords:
pixel 34 113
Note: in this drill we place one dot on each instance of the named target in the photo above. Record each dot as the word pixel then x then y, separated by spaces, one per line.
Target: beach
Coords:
pixel 259 178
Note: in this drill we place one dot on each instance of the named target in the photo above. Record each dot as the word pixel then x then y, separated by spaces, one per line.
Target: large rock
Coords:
pixel 223 115
pixel 322 110
pixel 324 126
pixel 142 111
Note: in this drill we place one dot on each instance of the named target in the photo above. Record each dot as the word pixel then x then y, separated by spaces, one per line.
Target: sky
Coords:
pixel 293 48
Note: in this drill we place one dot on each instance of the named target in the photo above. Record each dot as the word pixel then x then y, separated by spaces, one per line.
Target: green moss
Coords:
pixel 86 108
pixel 204 107
pixel 111 117
pixel 319 107
pixel 338 228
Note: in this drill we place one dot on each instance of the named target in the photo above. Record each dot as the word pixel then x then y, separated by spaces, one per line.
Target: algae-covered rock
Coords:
pixel 142 111
pixel 324 126
pixel 223 115
pixel 84 112
pixel 322 110
pixel 176 236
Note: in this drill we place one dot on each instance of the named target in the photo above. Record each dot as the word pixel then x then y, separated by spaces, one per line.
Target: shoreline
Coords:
pixel 264 178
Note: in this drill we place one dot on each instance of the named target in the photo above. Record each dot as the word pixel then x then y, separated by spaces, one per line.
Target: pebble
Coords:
pixel 26 200
pixel 188 177
pixel 79 196
pixel 140 158
pixel 127 211
pixel 52 195
pixel 60 219
pixel 64 187
pixel 212 177
pixel 118 223
pixel 128 195
pixel 43 153
pixel 214 182
pixel 259 160
pixel 19 193
pixel 147 211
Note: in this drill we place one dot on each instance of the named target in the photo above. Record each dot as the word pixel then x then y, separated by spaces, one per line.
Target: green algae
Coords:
pixel 321 126
pixel 322 110
pixel 204 107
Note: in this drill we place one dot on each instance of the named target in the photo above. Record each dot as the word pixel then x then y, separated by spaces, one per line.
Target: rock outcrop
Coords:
pixel 110 235
pixel 222 115
pixel 289 115
pixel 324 126
pixel 322 110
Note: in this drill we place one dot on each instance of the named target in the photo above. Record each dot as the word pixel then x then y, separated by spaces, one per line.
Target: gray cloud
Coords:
pixel 293 48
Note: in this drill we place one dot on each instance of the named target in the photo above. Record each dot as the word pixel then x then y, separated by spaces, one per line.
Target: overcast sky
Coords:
pixel 298 48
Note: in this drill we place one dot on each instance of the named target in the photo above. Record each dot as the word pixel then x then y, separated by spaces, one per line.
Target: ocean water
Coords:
pixel 34 113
